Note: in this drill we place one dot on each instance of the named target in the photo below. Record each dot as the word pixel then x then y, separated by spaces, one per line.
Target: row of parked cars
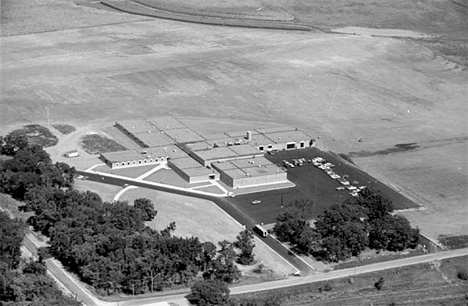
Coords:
pixel 295 162
pixel 322 164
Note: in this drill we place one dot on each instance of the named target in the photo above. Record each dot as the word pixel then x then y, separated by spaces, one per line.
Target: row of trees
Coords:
pixel 23 282
pixel 108 244
pixel 345 230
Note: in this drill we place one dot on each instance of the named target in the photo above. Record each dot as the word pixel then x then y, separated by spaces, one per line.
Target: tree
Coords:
pixel 10 144
pixel 401 235
pixel 34 267
pixel 146 207
pixel 377 205
pixel 334 249
pixel 343 230
pixel 106 244
pixel 291 223
pixel 11 237
pixel 245 243
pixel 209 292
pixel 308 241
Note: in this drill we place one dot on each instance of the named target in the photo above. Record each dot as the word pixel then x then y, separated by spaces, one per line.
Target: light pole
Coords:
pixel 48 115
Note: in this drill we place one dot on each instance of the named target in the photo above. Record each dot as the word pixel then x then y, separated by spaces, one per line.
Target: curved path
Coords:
pixel 135 8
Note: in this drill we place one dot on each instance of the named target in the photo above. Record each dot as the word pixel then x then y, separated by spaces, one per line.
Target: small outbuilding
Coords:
pixel 73 153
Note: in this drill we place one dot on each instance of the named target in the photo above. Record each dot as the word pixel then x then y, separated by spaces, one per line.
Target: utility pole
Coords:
pixel 48 115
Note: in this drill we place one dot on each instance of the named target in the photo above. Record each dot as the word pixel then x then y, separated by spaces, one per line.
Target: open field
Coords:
pixel 432 17
pixel 21 17
pixel 341 87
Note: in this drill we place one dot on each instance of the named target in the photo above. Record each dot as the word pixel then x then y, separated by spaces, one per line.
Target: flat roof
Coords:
pixel 251 162
pixel 243 150
pixel 254 171
pixel 216 153
pixel 154 139
pixel 275 129
pixel 235 173
pixel 166 123
pixel 264 170
pixel 171 151
pixel 237 134
pixel 186 163
pixel 223 141
pixel 260 140
pixel 120 156
pixel 136 125
pixel 184 135
pixel 199 171
pixel 175 152
pixel 196 146
pixel 214 136
pixel 288 136
pixel 242 163
pixel 224 165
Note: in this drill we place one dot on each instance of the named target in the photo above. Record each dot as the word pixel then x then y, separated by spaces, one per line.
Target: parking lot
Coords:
pixel 313 184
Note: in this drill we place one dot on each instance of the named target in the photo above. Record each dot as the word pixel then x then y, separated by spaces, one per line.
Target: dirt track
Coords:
pixel 339 87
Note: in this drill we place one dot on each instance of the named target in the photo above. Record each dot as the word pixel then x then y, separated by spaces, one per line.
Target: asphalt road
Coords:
pixel 223 203
pixel 88 299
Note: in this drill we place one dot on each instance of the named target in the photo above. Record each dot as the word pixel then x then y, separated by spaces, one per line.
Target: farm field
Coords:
pixel 340 87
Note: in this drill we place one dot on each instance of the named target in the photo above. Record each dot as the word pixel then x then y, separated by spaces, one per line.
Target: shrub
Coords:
pixel 209 292
pixel 462 274
pixel 379 284
pixel 259 269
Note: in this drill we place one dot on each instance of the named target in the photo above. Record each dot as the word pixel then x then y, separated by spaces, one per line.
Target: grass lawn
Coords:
pixel 166 176
pixel 105 191
pixel 132 172
pixel 211 189
pixel 203 219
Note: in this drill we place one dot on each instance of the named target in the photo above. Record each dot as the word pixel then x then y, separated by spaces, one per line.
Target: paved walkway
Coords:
pixel 138 180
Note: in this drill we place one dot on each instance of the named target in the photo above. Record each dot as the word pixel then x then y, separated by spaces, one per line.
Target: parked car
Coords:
pixel 256 202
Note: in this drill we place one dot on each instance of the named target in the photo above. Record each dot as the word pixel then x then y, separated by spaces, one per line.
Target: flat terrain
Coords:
pixel 434 283
pixel 312 184
pixel 192 216
pixel 92 67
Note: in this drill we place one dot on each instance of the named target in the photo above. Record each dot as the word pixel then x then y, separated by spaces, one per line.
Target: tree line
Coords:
pixel 345 230
pixel 107 244
pixel 24 282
